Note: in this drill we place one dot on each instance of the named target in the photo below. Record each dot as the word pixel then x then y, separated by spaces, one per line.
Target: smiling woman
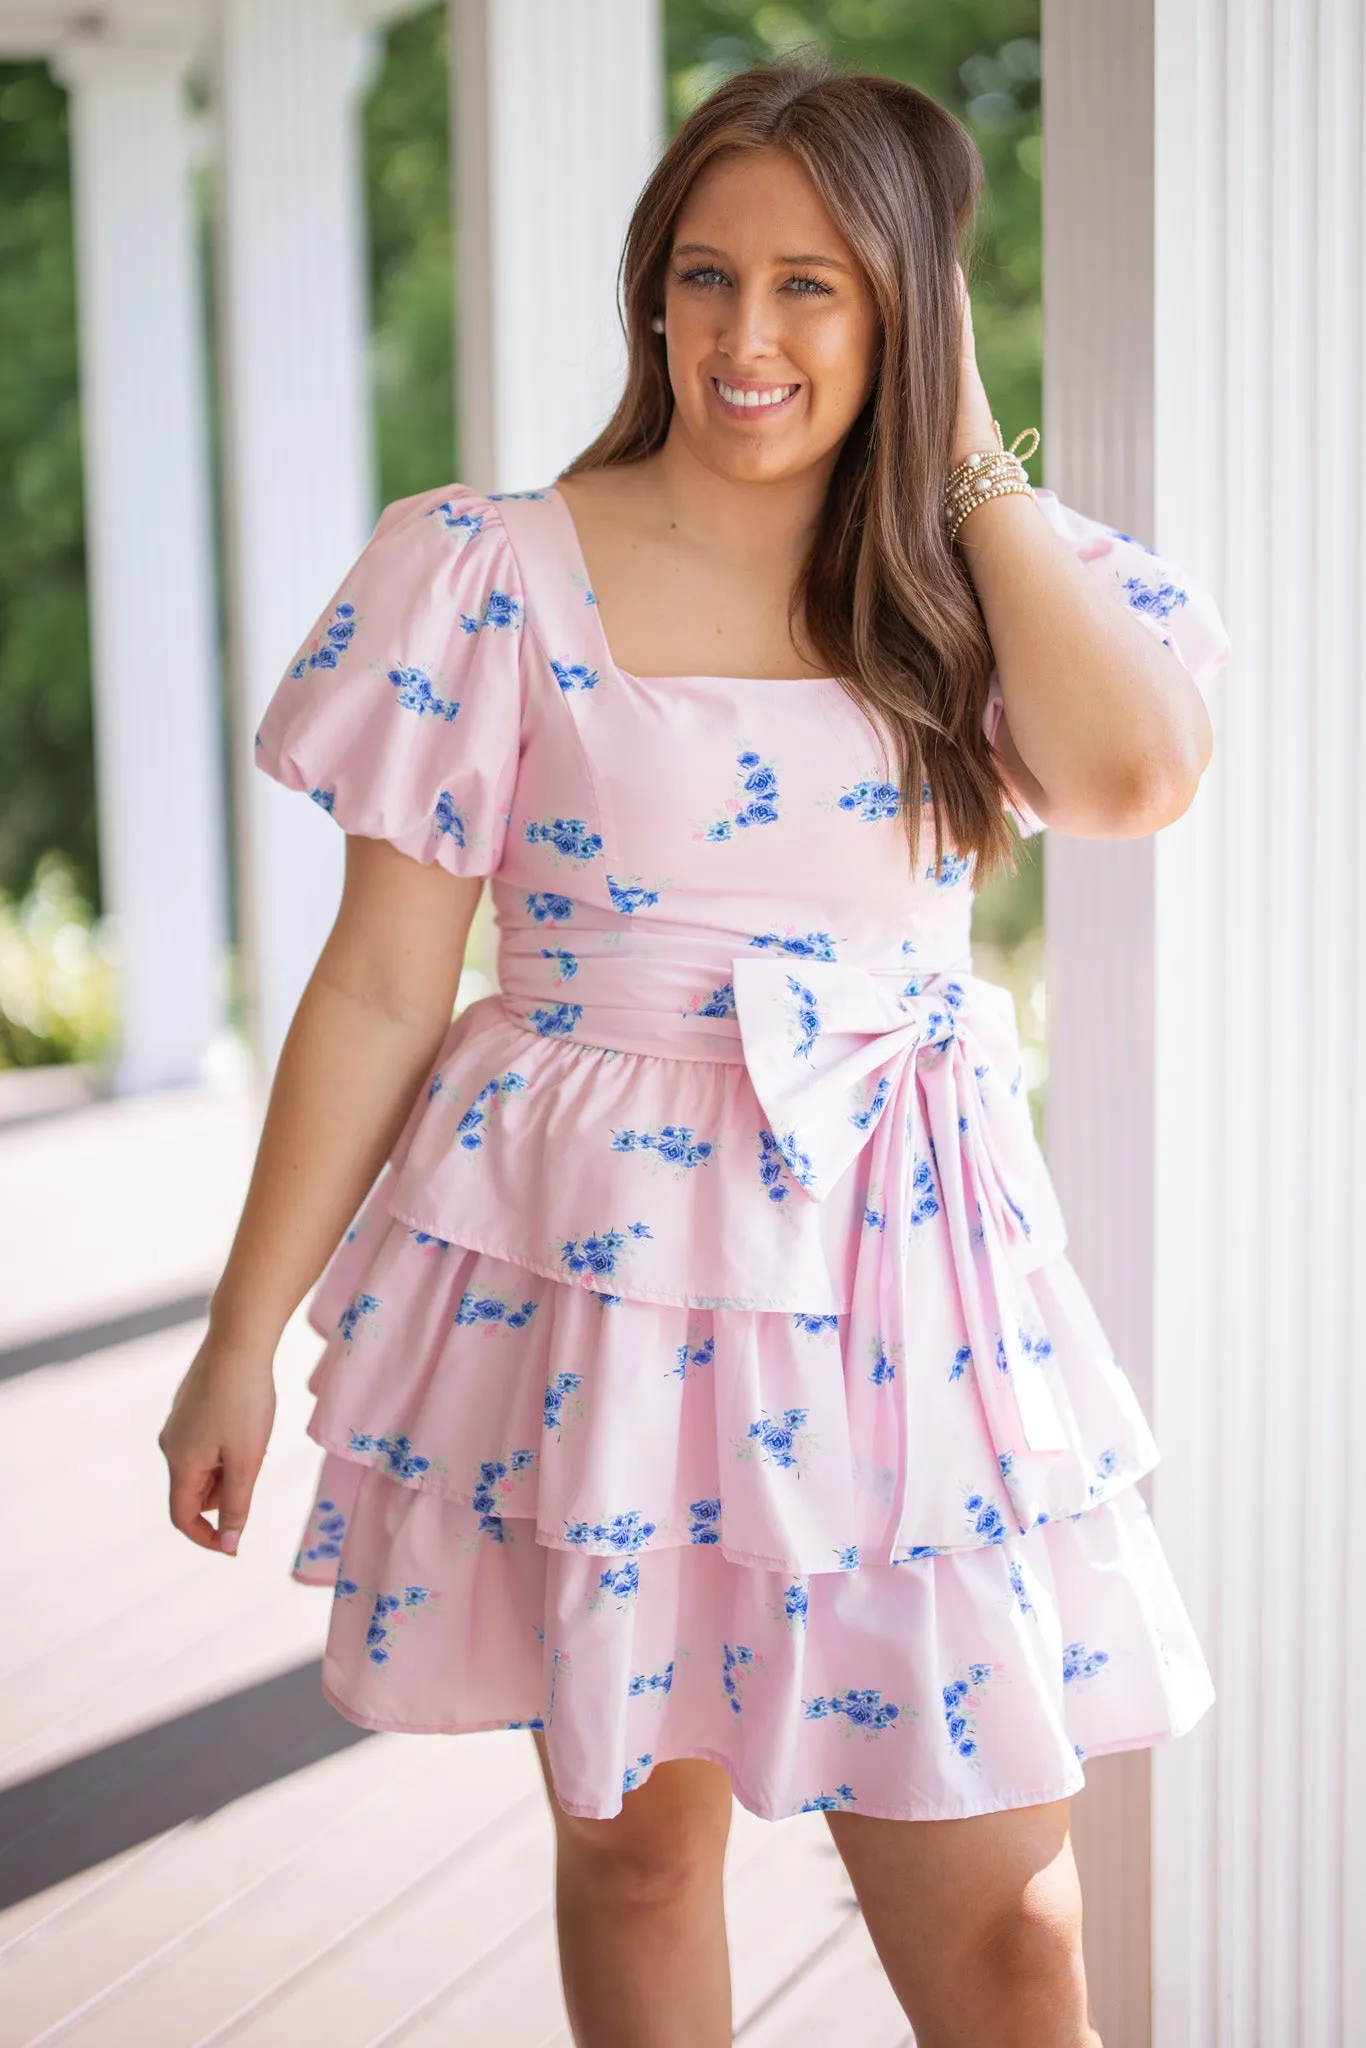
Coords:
pixel 707 1388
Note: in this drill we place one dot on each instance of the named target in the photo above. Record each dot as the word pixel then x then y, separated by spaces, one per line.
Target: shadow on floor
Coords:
pixel 98 1805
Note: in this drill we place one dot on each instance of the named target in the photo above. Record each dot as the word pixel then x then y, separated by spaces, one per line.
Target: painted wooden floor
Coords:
pixel 194 1848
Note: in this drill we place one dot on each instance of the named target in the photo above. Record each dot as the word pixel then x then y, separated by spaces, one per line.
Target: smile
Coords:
pixel 748 399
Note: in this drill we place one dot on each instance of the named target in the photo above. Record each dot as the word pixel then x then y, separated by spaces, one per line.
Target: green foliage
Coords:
pixel 46 762
pixel 407 163
pixel 57 974
pixel 978 57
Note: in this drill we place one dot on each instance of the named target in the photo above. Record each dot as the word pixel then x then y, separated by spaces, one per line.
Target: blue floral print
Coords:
pixel 555 1019
pixel 951 869
pixel 960 1708
pixel 755 801
pixel 871 801
pixel 797 1162
pixel 705 1526
pixel 500 609
pixel 984 1518
pixel 1017 1586
pixel 636 1773
pixel 629 1531
pixel 771 1167
pixel 557 1393
pixel 493 1310
pixel 628 896
pixel 572 675
pixel 864 1709
pixel 1079 1662
pixel 812 946
pixel 351 1317
pixel 874 1219
pixel 864 1119
pixel 415 691
pixel 804 1017
pixel 568 838
pixel 846 1557
pixel 500 1473
pixel 924 1199
pixel 694 1356
pixel 777 1441
pixel 472 1128
pixel 389 1608
pixel 547 908
pixel 814 1326
pixel 333 642
pixel 884 1368
pixel 468 523
pixel 448 819
pixel 736 1658
pixel 842 1797
pixel 655 1681
pixel 396 1455
pixel 327 1526
pixel 567 962
pixel 675 1144
pixel 1158 599
pixel 796 1603
pixel 599 1254
pixel 720 1003
pixel 324 798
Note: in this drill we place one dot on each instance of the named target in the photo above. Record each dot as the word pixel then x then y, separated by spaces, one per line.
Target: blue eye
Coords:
pixel 814 287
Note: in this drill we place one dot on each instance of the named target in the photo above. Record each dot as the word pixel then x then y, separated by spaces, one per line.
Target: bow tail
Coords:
pixel 1022 1414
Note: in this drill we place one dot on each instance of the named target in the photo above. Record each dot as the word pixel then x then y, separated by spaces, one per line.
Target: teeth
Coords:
pixel 754 398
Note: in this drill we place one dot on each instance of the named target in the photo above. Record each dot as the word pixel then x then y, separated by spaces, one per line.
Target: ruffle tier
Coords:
pixel 934 1690
pixel 787 1441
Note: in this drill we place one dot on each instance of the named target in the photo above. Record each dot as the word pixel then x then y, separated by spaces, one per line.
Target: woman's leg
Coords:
pixel 639 1912
pixel 977 1923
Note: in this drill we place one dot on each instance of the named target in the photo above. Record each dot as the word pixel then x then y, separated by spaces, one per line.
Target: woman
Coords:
pixel 707 1387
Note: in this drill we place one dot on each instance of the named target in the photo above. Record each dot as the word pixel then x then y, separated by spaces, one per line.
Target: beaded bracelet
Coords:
pixel 990 473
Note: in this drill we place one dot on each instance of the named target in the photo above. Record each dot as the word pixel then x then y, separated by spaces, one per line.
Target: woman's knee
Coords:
pixel 1027 1961
pixel 667 1843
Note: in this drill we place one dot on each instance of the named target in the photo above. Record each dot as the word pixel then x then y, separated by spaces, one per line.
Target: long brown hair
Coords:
pixel 885 601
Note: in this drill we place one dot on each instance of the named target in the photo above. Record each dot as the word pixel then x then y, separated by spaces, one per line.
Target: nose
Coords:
pixel 745 332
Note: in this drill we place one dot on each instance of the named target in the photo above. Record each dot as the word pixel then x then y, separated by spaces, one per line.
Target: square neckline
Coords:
pixel 609 659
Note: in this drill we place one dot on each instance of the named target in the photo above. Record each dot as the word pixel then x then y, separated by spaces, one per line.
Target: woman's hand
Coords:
pixel 974 430
pixel 215 1438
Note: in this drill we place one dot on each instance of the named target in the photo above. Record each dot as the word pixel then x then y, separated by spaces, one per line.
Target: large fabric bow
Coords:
pixel 843 1056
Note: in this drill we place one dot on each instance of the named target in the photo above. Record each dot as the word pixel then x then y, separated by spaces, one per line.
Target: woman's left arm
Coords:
pixel 1102 729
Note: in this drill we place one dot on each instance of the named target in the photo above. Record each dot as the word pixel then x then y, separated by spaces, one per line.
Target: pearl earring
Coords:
pixel 658 323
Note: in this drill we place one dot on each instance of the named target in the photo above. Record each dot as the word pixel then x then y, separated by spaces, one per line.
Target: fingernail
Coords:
pixel 228 1539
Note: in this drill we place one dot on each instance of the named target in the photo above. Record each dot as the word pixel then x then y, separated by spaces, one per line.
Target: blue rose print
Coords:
pixel 674 1144
pixel 415 691
pixel 557 1393
pixel 599 1254
pixel 448 819
pixel 352 1316
pixel 864 1119
pixel 705 1525
pixel 1079 1662
pixel 951 869
pixel 804 1017
pixel 466 523
pixel 568 838
pixel 636 1773
pixel 720 1003
pixel 332 643
pixel 692 1356
pixel 574 676
pixel 924 1200
pixel 567 962
pixel 814 1326
pixel 493 1311
pixel 1158 599
pixel 547 908
pixel 871 801
pixel 811 946
pixel 984 1518
pixel 736 1660
pixel 392 1609
pixel 778 1441
pixel 395 1455
pixel 754 802
pixel 500 609
pixel 472 1128
pixel 960 1698
pixel 654 1681
pixel 842 1797
pixel 555 1019
pixel 630 896
pixel 326 1526
pixel 324 798
pixel 863 1709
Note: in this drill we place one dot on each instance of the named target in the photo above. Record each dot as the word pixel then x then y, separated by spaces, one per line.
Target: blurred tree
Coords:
pixel 46 763
pixel 978 57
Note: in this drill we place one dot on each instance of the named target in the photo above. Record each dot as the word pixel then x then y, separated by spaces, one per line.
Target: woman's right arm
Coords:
pixel 363 1039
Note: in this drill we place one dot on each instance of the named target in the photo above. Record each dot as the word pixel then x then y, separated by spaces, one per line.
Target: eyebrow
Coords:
pixel 709 249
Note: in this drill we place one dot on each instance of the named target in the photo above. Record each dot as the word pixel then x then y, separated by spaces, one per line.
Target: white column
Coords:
pixel 297 443
pixel 558 120
pixel 158 757
pixel 1253 214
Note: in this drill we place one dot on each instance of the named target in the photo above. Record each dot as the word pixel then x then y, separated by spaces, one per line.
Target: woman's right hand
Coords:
pixel 215 1437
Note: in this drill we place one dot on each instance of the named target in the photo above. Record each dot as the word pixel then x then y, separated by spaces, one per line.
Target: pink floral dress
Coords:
pixel 704 1373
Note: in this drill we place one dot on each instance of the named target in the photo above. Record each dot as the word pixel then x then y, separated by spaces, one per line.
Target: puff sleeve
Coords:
pixel 1175 610
pixel 401 713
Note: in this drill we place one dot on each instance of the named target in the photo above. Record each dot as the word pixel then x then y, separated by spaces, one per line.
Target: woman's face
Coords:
pixel 763 298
